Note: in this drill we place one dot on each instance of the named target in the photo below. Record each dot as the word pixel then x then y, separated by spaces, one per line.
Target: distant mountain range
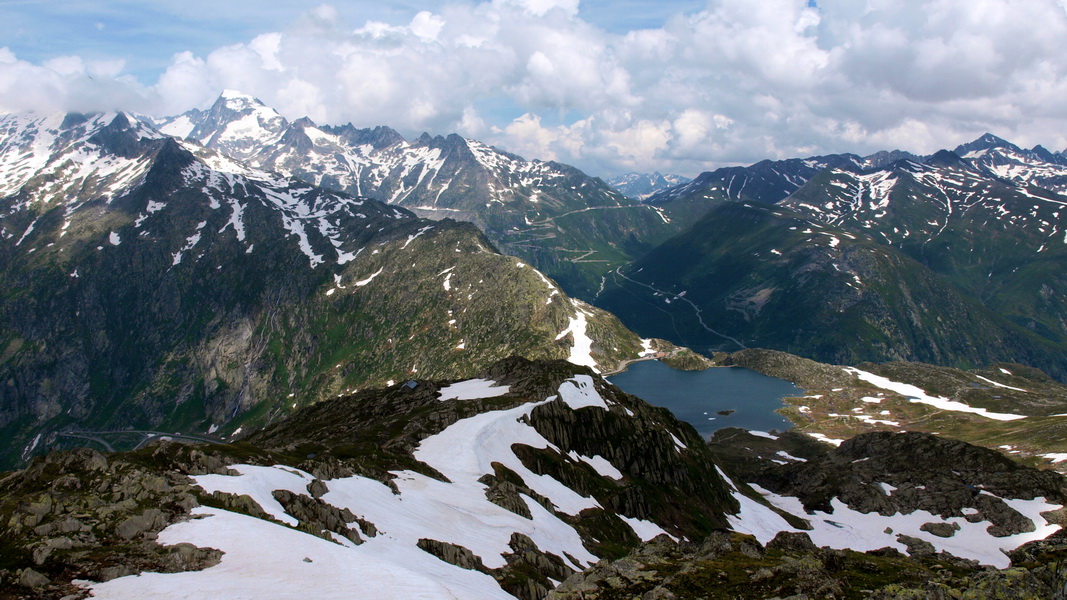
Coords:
pixel 572 226
pixel 955 258
pixel 640 186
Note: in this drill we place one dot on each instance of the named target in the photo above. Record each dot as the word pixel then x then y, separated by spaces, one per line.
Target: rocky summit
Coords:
pixel 531 479
pixel 494 487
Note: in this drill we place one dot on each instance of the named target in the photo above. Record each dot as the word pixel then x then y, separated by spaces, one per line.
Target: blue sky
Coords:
pixel 147 34
pixel 677 86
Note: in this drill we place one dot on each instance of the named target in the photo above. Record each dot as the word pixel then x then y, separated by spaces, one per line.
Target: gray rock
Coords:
pixel 150 520
pixel 32 579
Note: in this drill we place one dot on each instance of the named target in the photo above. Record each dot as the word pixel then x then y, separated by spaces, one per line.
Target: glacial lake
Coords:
pixel 696 397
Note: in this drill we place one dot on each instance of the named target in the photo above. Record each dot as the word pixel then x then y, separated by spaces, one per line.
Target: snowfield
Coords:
pixel 844 527
pixel 269 560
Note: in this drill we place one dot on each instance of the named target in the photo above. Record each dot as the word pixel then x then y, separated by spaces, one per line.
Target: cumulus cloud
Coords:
pixel 732 83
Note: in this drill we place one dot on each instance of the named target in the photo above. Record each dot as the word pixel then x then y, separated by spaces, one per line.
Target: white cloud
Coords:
pixel 736 82
pixel 427 26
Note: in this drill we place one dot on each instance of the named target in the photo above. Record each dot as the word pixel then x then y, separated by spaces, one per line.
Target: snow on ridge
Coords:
pixel 270 560
pixel 418 233
pixel 472 389
pixel 581 349
pixel 846 528
pixel 916 394
pixel 259 483
pixel 267 560
pixel 580 392
pixel 553 290
pixel 1000 385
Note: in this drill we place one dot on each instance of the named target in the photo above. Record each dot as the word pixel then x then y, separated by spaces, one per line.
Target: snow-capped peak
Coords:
pixel 232 97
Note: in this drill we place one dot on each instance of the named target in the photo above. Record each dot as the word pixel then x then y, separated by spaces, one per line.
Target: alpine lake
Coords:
pixel 711 399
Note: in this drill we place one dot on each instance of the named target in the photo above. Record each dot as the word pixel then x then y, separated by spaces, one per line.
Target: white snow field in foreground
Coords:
pixel 845 528
pixel 269 560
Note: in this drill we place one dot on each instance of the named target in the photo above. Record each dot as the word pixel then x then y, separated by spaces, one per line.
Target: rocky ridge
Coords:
pixel 293 476
pixel 951 477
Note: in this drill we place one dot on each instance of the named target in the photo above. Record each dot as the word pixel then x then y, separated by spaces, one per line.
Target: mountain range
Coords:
pixel 954 258
pixel 593 239
pixel 572 226
pixel 640 186
pixel 356 410
pixel 150 282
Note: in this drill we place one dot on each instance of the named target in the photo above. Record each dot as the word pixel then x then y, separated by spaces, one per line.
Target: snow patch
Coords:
pixel 915 394
pixel 844 527
pixel 472 389
pixel 599 464
pixel 579 392
pixel 646 530
pixel 363 282
pixel 999 385
pixel 762 434
pixel 581 350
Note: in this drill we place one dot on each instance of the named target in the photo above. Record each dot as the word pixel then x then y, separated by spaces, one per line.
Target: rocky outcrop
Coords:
pixel 927 472
pixel 317 517
pixel 734 566
pixel 453 554
pixel 81 515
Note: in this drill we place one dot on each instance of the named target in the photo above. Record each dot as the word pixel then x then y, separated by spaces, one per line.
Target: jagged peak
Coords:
pixel 1043 153
pixel 987 141
pixel 239 102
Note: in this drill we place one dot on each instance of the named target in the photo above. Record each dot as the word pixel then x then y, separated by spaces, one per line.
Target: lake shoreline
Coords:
pixel 712 398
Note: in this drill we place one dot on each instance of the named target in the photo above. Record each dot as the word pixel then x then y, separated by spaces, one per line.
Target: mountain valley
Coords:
pixel 373 394
pixel 943 259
